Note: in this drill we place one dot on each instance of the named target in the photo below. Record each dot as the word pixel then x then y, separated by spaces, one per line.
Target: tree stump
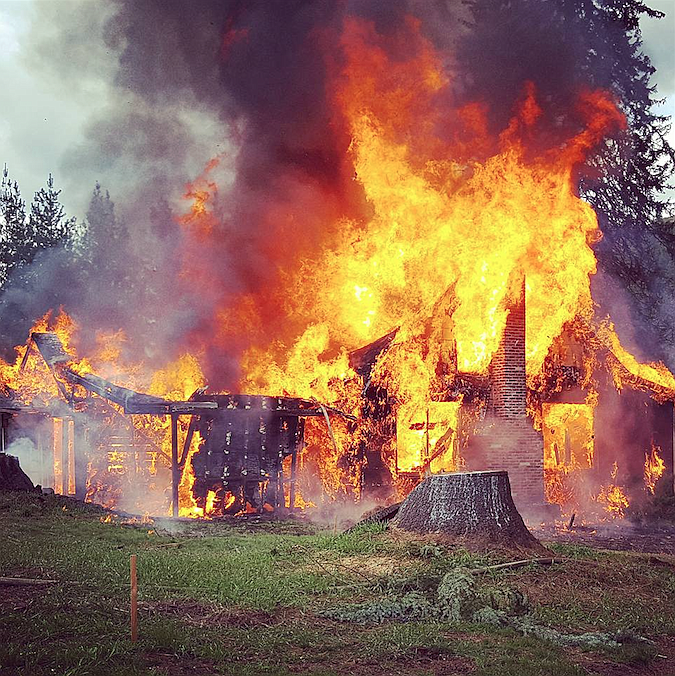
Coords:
pixel 466 505
pixel 12 477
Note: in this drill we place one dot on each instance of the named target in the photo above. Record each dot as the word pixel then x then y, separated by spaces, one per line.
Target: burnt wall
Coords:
pixel 626 424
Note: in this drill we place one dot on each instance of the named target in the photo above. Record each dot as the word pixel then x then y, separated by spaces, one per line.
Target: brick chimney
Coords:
pixel 508 385
pixel 507 438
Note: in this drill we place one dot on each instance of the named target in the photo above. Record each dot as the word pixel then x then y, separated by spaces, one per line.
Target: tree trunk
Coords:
pixel 469 504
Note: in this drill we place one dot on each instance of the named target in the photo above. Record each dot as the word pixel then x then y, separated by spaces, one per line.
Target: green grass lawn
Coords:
pixel 224 598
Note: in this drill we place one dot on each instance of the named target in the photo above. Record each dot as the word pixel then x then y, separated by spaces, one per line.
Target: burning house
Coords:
pixel 397 262
pixel 556 435
pixel 238 463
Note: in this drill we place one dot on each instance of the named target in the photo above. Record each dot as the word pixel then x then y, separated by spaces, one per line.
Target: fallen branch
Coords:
pixel 513 564
pixel 169 544
pixel 23 581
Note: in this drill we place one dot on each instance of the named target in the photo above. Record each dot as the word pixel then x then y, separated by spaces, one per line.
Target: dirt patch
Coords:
pixel 373 565
pixel 660 665
pixel 169 665
pixel 212 614
pixel 365 568
pixel 587 580
pixel 438 662
pixel 615 537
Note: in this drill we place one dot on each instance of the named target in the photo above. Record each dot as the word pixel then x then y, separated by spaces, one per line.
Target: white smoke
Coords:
pixel 30 459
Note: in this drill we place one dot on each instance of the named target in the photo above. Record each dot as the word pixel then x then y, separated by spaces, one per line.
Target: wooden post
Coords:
pixel 175 471
pixel 427 471
pixel 46 477
pixel 294 461
pixel 134 600
pixel 81 441
pixel 279 499
pixel 70 445
pixel 57 454
pixel 3 446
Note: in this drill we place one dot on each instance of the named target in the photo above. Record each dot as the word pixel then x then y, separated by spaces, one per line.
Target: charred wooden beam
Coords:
pixel 134 402
pixel 657 391
pixel 363 359
pixel 55 356
pixel 11 406
pixel 191 430
pixel 294 465
pixel 51 348
pixel 175 469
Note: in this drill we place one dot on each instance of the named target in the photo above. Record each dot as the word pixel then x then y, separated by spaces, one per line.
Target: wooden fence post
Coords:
pixel 134 600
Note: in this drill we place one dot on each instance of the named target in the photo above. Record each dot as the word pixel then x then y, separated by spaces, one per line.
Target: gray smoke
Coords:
pixel 178 83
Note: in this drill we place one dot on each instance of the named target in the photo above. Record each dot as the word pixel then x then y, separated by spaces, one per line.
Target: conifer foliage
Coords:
pixel 22 235
pixel 13 250
pixel 47 225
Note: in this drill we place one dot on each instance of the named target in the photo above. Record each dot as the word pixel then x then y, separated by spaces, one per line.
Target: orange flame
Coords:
pixel 568 450
pixel 612 496
pixel 654 373
pixel 454 216
pixel 654 468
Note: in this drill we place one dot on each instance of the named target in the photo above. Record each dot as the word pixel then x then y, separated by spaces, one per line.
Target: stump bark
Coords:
pixel 12 477
pixel 466 505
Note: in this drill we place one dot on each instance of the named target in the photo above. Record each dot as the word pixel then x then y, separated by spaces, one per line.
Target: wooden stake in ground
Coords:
pixel 134 600
pixel 476 505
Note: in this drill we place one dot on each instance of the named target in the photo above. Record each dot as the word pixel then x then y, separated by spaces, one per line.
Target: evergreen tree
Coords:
pixel 12 227
pixel 39 269
pixel 106 239
pixel 47 223
pixel 625 179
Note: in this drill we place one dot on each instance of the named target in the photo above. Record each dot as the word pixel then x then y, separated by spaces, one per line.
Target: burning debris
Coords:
pixel 243 453
pixel 238 463
pixel 654 468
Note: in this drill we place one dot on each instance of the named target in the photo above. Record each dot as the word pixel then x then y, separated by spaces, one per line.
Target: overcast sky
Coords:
pixel 41 119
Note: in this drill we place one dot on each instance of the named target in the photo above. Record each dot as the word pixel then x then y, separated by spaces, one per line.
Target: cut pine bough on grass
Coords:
pixel 458 598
